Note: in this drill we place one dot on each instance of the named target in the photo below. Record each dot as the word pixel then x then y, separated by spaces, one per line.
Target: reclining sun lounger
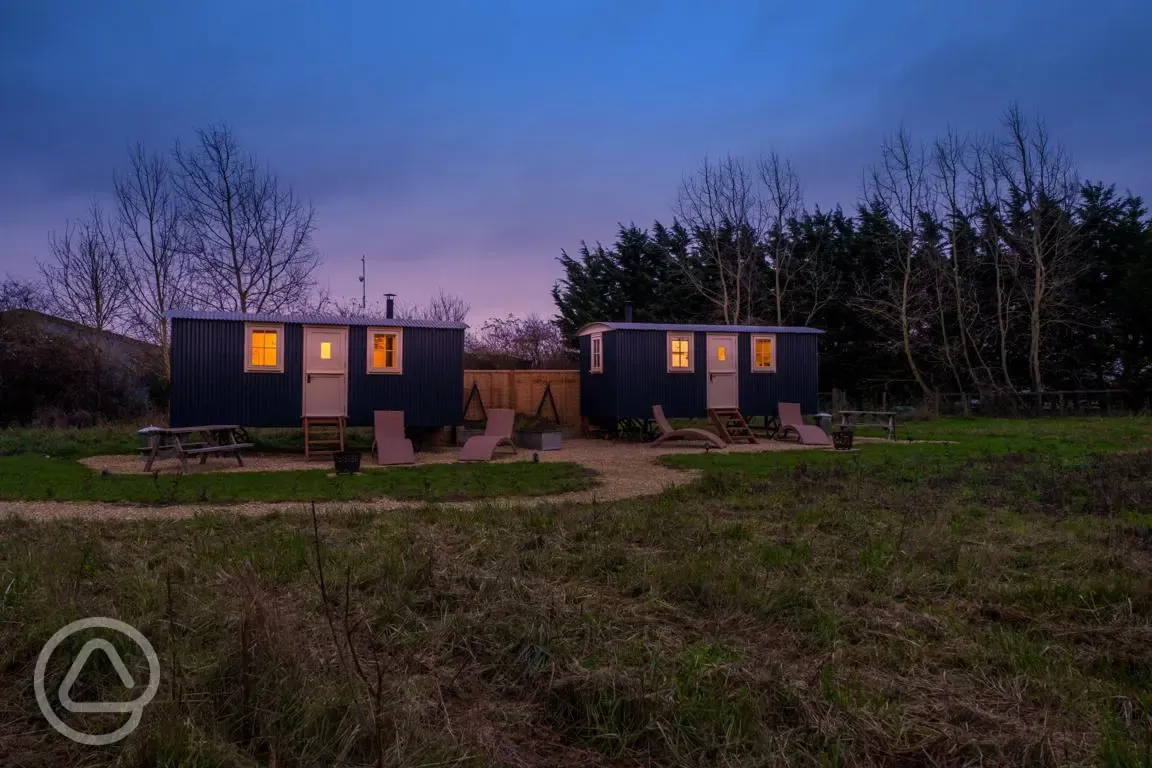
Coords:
pixel 497 432
pixel 688 433
pixel 390 446
pixel 792 421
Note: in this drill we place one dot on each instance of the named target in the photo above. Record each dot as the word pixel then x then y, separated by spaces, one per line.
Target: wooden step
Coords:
pixel 731 425
pixel 323 436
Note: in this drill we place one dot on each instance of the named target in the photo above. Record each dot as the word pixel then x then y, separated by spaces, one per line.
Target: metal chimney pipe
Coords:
pixel 628 312
pixel 390 304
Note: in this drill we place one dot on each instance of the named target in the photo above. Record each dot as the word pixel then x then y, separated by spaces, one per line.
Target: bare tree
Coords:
pixel 898 186
pixel 85 283
pixel 155 264
pixel 1042 189
pixel 22 294
pixel 987 190
pixel 249 237
pixel 785 200
pixel 532 340
pixel 720 207
pixel 445 307
pixel 83 277
pixel 949 272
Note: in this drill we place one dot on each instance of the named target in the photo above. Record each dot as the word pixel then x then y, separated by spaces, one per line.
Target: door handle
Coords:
pixel 309 378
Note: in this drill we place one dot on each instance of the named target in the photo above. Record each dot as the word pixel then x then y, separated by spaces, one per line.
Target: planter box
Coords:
pixel 539 441
pixel 463 433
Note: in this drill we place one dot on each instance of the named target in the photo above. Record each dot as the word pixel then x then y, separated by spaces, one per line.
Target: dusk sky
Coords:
pixel 462 145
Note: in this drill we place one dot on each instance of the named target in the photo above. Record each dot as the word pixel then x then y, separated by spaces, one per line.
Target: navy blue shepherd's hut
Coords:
pixel 626 368
pixel 262 370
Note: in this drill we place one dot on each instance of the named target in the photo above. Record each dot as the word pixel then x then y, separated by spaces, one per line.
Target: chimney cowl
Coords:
pixel 628 312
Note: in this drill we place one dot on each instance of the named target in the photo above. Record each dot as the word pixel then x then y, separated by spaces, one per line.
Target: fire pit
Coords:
pixel 842 440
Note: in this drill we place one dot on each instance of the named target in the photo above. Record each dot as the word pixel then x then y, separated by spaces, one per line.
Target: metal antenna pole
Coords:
pixel 363 283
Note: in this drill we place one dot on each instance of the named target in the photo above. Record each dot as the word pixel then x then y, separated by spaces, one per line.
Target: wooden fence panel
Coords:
pixel 522 391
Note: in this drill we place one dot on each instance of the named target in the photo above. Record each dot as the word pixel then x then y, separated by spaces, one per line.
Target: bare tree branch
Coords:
pixel 898 188
pixel 720 207
pixel 250 238
pixel 151 234
pixel 785 200
pixel 84 279
pixel 1042 189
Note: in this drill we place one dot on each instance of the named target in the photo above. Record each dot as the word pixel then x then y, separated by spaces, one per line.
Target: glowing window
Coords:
pixel 721 353
pixel 384 351
pixel 325 350
pixel 262 349
pixel 764 353
pixel 680 352
pixel 596 356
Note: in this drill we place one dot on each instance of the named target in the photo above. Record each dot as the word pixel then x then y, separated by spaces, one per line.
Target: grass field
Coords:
pixel 40 465
pixel 39 478
pixel 982 603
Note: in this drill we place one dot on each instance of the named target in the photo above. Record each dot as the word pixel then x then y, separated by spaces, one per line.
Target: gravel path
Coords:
pixel 624 470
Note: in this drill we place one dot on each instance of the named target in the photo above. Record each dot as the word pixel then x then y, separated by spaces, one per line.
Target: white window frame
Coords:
pixel 764 369
pixel 596 353
pixel 691 337
pixel 278 329
pixel 395 370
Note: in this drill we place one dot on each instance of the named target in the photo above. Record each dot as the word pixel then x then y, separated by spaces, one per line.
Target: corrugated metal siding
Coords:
pixel 796 379
pixel 636 377
pixel 209 385
pixel 642 378
pixel 430 389
pixel 598 390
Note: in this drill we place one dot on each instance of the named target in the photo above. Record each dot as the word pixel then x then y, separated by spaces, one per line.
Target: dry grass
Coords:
pixel 934 606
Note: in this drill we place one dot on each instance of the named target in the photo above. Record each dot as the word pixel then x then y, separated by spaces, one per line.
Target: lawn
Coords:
pixel 40 478
pixel 40 465
pixel 982 603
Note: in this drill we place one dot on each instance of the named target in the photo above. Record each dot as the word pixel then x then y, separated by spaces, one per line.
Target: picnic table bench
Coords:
pixel 182 442
pixel 886 420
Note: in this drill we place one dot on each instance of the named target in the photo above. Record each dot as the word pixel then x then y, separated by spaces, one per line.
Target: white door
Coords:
pixel 325 371
pixel 723 379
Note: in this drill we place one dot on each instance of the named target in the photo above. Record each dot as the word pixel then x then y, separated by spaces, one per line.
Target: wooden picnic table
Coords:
pixel 202 441
pixel 883 419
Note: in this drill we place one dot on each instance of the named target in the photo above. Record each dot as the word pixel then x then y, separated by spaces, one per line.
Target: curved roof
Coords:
pixel 600 327
pixel 310 318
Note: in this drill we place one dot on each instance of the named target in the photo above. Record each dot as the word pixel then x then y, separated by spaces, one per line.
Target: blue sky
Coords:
pixel 461 145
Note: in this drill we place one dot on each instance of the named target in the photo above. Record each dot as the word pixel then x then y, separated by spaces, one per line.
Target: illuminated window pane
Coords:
pixel 763 353
pixel 680 354
pixel 264 348
pixel 721 353
pixel 384 350
pixel 325 350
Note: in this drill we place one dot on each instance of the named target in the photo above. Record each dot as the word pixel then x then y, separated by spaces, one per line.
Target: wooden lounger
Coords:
pixel 497 432
pixel 792 421
pixel 688 433
pixel 390 446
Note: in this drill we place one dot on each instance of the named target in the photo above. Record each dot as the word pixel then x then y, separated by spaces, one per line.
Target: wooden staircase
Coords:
pixel 323 436
pixel 731 426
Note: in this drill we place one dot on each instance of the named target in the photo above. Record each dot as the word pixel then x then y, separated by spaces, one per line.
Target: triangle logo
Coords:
pixel 74 671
